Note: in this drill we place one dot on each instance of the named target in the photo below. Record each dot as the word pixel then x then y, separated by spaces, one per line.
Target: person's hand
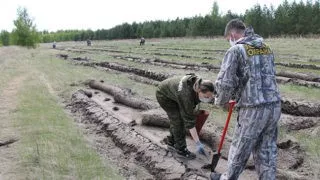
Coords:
pixel 226 106
pixel 200 148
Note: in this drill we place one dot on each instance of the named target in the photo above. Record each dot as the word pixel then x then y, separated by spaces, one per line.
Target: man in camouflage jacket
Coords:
pixel 179 96
pixel 247 75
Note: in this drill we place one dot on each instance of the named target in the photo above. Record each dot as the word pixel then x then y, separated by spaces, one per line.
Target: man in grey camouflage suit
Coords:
pixel 247 75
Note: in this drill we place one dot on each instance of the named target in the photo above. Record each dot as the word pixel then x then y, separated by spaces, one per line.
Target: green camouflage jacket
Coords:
pixel 180 90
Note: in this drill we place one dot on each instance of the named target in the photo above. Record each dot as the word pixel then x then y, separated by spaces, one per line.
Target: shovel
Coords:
pixel 216 156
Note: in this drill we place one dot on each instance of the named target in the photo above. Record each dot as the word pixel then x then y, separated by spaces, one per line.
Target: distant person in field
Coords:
pixel 248 76
pixel 54 44
pixel 179 96
pixel 88 42
pixel 142 41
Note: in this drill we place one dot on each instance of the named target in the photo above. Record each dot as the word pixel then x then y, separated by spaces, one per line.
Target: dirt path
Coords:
pixel 8 154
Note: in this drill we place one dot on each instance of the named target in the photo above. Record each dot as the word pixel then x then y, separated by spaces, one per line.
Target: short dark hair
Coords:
pixel 235 24
pixel 206 86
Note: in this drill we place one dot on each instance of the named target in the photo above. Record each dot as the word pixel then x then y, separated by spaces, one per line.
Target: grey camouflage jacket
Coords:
pixel 247 73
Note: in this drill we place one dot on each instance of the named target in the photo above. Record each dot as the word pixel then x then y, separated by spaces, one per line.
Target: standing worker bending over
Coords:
pixel 178 96
pixel 247 75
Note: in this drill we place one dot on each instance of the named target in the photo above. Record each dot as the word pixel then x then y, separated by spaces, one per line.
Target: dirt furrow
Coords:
pixel 299 66
pixel 124 97
pixel 300 108
pixel 158 161
pixel 283 77
pixel 297 122
pixel 141 72
pixel 183 56
pixel 285 80
pixel 173 64
pixel 193 49
pixel 127 69
pixel 302 76
pixel 291 155
pixel 292 65
pixel 288 106
pixel 73 50
pixel 105 50
pixel 296 108
pixel 158 118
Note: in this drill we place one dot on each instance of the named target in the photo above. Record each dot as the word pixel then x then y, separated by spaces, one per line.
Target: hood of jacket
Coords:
pixel 251 39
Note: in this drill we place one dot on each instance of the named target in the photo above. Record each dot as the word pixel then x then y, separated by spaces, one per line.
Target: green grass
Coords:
pixel 300 92
pixel 51 146
pixel 312 146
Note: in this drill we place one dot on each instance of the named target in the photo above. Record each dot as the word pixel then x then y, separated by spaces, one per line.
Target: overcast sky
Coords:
pixel 53 15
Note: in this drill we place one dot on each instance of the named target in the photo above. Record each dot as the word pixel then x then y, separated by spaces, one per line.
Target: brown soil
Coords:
pixel 80 59
pixel 64 56
pixel 293 65
pixel 106 50
pixel 137 71
pixel 298 122
pixel 155 118
pixel 293 107
pixel 112 90
pixel 291 156
pixel 300 108
pixel 123 96
pixel 308 80
pixel 194 49
pixel 302 76
pixel 290 160
pixel 140 143
pixel 299 82
pixel 288 106
pixel 168 63
pixel 130 141
pixel 181 55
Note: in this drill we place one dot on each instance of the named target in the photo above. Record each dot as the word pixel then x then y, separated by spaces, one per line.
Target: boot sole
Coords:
pixel 174 151
pixel 184 157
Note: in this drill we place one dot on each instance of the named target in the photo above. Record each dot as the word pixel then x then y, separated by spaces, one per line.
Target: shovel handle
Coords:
pixel 231 105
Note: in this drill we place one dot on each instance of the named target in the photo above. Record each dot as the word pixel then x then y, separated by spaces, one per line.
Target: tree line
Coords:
pixel 298 19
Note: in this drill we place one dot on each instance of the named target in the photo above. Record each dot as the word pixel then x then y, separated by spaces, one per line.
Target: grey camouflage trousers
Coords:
pixel 256 133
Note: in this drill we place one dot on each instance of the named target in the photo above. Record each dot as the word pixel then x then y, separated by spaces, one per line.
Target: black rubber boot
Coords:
pixel 185 153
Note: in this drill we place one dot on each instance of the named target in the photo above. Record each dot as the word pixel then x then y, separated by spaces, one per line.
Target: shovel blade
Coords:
pixel 201 119
pixel 214 161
